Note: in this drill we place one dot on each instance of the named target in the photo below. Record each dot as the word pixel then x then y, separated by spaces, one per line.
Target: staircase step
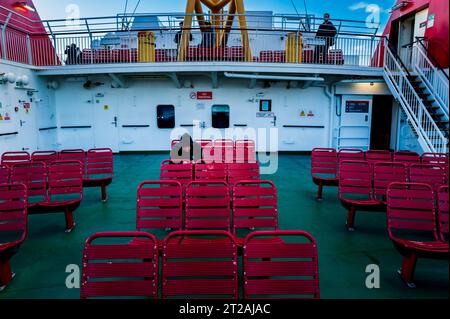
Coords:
pixel 427 102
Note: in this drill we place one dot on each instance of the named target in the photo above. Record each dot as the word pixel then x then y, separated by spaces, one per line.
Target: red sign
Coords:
pixel 204 95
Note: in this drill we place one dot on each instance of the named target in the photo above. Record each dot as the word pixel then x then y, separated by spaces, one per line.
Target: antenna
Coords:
pixel 124 14
pixel 132 15
pixel 298 14
pixel 306 8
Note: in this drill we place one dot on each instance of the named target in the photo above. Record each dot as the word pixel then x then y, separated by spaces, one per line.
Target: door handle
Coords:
pixel 115 121
pixel 274 122
pixel 22 122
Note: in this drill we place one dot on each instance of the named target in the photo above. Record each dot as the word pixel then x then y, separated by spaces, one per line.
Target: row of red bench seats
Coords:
pixel 51 188
pixel 208 206
pixel 198 54
pixel 97 164
pixel 162 55
pixel 309 55
pixel 221 143
pixel 363 186
pixel 325 162
pixel 412 189
pixel 416 227
pixel 226 150
pixel 201 264
pixel 195 263
pixel 231 172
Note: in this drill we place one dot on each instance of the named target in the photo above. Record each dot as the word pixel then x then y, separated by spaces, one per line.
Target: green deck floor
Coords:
pixel 41 262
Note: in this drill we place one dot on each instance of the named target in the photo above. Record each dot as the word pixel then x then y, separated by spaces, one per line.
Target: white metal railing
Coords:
pixel 430 136
pixel 162 47
pixel 258 20
pixel 433 78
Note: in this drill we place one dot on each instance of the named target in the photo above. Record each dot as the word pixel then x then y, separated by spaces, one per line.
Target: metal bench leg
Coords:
pixel 319 191
pixel 351 218
pixel 408 268
pixel 104 194
pixel 6 274
pixel 70 224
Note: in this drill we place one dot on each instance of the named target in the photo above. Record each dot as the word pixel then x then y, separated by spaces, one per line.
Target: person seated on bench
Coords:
pixel 186 150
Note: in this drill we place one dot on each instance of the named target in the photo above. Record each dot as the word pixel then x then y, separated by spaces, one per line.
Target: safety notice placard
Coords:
pixel 205 95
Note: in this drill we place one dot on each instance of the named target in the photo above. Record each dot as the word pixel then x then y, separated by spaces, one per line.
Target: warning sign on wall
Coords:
pixel 206 95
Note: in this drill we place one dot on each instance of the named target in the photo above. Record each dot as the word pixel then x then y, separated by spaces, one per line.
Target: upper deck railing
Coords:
pixel 147 38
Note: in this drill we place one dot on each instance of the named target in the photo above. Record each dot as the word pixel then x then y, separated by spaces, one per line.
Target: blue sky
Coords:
pixel 341 9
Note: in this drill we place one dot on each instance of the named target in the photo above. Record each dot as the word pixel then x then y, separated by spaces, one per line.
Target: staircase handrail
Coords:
pixel 412 104
pixel 434 78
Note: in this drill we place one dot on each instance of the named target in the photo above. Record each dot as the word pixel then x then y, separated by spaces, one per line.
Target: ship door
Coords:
pixel 381 122
pixel 411 28
pixel 405 39
pixel 106 133
pixel 356 118
pixel 420 24
pixel 27 126
pixel 266 117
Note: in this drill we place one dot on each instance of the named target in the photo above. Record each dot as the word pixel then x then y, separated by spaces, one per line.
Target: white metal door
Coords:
pixel 106 133
pixel 406 37
pixel 356 118
pixel 27 126
pixel 420 23
pixel 266 120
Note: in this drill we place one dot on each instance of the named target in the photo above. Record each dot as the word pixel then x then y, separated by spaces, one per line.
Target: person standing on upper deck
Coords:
pixel 208 36
pixel 326 33
pixel 179 35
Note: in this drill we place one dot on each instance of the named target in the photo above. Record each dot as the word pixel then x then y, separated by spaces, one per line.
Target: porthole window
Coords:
pixel 220 116
pixel 166 116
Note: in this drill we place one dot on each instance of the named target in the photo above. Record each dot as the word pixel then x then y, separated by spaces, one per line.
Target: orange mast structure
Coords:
pixel 221 26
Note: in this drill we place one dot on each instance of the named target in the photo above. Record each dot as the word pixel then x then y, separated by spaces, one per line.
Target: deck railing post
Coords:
pixel 4 48
pixel 30 55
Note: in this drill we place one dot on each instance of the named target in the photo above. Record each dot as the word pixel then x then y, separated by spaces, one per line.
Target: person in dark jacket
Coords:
pixel 179 34
pixel 326 32
pixel 186 150
pixel 178 37
pixel 208 36
pixel 74 55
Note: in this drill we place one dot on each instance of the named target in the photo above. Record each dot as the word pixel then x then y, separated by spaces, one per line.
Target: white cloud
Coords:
pixel 358 6
pixel 367 6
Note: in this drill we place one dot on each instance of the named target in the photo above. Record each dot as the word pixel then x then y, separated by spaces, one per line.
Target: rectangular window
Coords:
pixel 265 105
pixel 166 116
pixel 220 116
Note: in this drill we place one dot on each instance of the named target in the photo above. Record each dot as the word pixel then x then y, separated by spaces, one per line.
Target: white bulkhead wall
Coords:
pixel 306 111
pixel 304 117
pixel 32 117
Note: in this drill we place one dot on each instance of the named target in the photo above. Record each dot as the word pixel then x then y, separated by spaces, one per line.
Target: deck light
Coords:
pixel 23 81
pixel 23 6
pixel 7 77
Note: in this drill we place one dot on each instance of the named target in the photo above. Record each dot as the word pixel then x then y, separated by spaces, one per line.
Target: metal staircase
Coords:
pixel 420 91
